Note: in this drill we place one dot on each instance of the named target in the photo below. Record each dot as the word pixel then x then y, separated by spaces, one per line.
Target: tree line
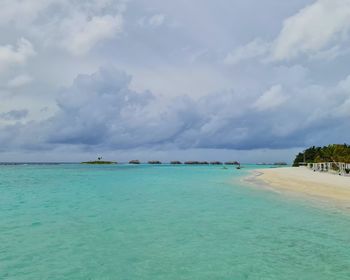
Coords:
pixel 330 153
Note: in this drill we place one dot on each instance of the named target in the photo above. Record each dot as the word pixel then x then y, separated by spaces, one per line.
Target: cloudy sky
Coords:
pixel 188 79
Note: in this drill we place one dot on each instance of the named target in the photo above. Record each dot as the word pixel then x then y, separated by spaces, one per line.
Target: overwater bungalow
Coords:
pixel 232 163
pixel 134 161
pixel 154 162
pixel 216 163
pixel 191 162
pixel 175 162
pixel 197 162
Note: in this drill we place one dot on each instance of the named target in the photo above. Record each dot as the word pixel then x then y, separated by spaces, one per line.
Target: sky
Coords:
pixel 254 81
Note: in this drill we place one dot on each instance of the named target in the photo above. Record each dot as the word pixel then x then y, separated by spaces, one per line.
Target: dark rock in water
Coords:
pixel 216 163
pixel 154 162
pixel 175 162
pixel 232 163
pixel 134 161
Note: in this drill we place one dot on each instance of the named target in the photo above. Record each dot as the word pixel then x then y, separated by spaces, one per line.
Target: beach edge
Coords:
pixel 300 182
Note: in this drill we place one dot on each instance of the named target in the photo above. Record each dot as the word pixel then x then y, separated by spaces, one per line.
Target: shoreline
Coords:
pixel 302 182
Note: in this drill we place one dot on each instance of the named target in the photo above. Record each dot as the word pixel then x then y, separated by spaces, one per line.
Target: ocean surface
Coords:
pixel 162 222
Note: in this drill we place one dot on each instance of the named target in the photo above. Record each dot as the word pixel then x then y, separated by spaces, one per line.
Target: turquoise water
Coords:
pixel 161 222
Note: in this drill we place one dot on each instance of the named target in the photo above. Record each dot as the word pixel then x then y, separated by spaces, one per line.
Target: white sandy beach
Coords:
pixel 303 181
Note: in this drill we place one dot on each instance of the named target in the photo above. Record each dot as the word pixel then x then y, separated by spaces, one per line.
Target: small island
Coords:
pixel 99 161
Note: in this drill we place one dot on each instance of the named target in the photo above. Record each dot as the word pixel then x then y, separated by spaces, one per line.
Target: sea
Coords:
pixel 159 222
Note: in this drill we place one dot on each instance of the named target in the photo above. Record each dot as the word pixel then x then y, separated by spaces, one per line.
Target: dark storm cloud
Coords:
pixel 100 110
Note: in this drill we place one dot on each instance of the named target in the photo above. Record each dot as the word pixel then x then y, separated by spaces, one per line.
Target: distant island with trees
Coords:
pixel 99 161
pixel 330 153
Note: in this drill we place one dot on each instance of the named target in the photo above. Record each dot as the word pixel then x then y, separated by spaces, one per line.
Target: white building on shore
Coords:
pixel 335 167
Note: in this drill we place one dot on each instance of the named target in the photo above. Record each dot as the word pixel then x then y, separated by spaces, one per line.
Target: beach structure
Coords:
pixel 232 163
pixel 280 163
pixel 196 162
pixel 154 162
pixel 333 167
pixel 216 163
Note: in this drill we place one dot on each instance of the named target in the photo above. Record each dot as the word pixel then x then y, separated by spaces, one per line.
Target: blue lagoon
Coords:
pixel 75 221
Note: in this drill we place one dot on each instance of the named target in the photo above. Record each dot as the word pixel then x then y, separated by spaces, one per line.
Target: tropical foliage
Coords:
pixel 98 162
pixel 330 153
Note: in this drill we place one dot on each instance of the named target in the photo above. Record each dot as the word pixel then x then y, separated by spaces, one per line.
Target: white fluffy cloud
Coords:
pixel 152 21
pixel 270 99
pixel 21 12
pixel 320 31
pixel 83 33
pixel 77 26
pixel 157 20
pixel 10 55
pixel 313 29
pixel 253 49
pixel 19 81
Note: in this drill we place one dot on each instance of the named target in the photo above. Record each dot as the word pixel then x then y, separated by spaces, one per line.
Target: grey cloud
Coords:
pixel 195 100
pixel 76 26
pixel 99 111
pixel 14 115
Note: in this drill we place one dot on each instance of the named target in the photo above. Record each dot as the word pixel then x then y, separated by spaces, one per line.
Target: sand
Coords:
pixel 303 181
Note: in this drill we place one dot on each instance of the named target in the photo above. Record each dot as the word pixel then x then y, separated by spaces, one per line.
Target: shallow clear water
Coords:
pixel 161 222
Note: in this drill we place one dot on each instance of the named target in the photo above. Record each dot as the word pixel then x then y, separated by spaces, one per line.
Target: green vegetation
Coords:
pixel 330 153
pixel 98 162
